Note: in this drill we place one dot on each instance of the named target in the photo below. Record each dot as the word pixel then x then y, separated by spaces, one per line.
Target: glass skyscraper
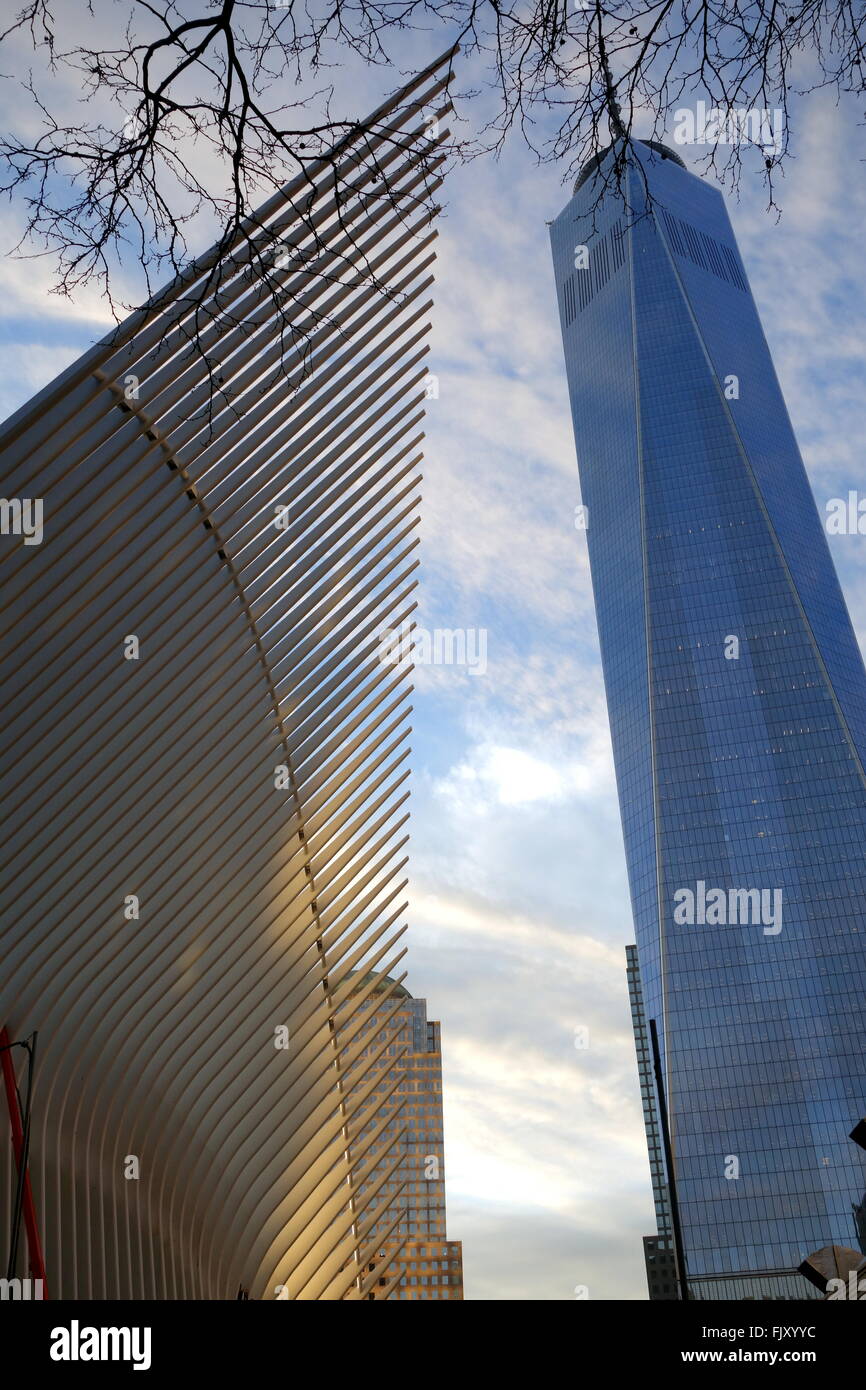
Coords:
pixel 737 702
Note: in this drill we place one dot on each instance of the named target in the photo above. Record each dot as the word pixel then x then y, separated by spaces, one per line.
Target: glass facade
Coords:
pixel 404 1052
pixel 737 701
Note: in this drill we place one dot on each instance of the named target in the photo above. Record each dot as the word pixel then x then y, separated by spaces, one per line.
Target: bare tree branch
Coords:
pixel 206 129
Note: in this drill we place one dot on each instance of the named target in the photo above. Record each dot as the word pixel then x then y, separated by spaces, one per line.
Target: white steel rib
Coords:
pixel 233 482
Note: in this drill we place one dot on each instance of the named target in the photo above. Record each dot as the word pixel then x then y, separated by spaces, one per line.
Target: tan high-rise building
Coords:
pixel 418 1260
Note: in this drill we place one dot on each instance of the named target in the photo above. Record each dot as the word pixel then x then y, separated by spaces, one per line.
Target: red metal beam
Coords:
pixel 34 1245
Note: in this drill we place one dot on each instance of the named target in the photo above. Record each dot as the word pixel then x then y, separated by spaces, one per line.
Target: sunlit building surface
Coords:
pixel 737 702
pixel 405 1183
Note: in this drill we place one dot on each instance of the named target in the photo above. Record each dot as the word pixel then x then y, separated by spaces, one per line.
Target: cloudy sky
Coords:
pixel 520 908
pixel 521 905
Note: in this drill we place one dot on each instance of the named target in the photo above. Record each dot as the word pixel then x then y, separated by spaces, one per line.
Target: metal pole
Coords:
pixel 20 1146
pixel 669 1164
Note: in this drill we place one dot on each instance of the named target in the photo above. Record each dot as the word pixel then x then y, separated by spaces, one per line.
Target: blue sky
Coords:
pixel 520 908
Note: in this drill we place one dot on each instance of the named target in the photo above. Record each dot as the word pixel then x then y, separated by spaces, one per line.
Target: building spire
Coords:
pixel 618 130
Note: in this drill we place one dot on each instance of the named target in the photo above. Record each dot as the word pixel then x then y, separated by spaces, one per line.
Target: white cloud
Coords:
pixel 510 777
